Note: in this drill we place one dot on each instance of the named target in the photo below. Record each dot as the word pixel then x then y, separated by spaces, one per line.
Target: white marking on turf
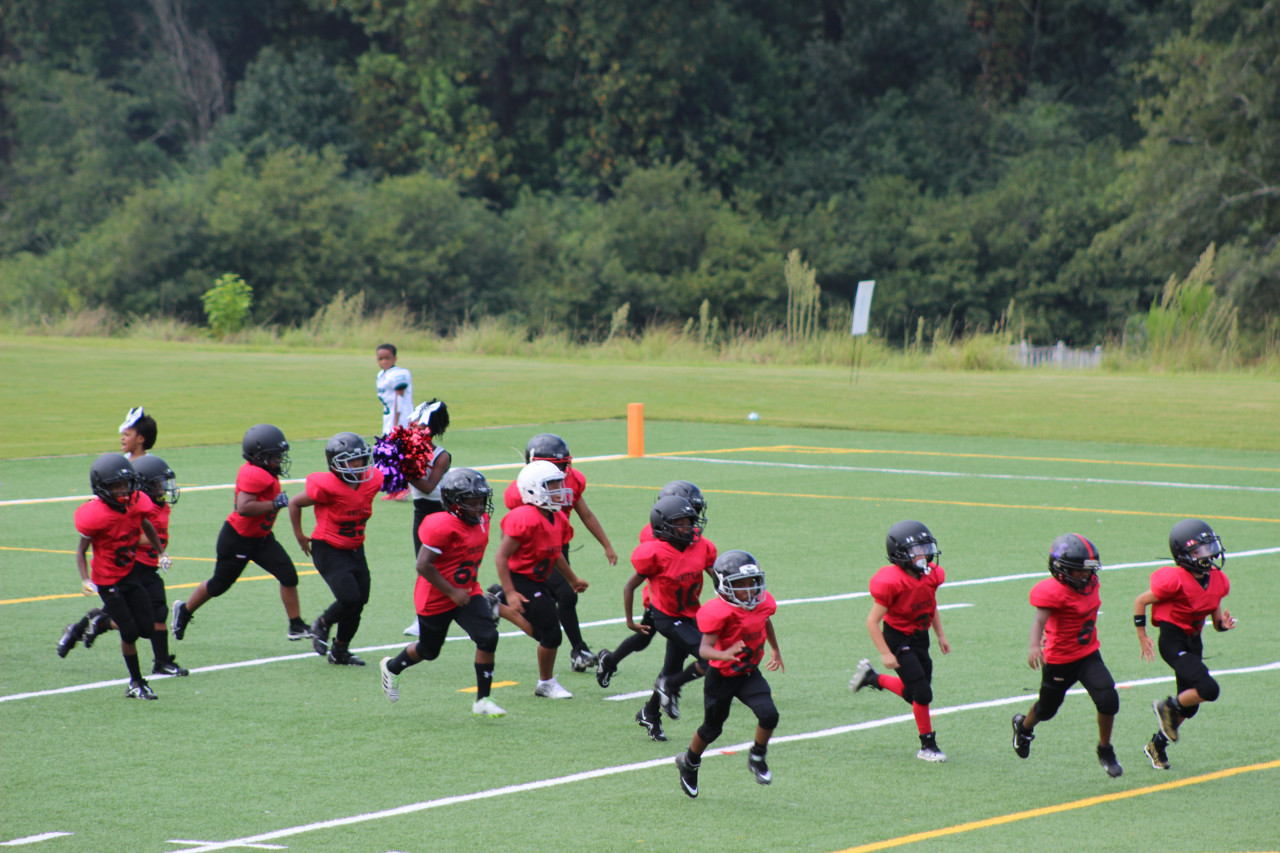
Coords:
pixel 915 472
pixel 32 839
pixel 251 846
pixel 413 808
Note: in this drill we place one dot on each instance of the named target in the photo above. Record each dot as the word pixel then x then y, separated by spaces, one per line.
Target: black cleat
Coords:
pixel 139 689
pixel 340 656
pixel 688 774
pixel 668 699
pixel 1021 737
pixel 864 676
pixel 1107 758
pixel 99 623
pixel 181 617
pixel 169 667
pixel 298 630
pixel 71 635
pixel 320 636
pixel 758 767
pixel 654 728
pixel 604 669
pixel 1155 752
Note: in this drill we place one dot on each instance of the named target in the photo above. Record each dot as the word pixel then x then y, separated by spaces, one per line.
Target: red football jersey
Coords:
pixel 1181 601
pixel 541 540
pixel 262 485
pixel 113 534
pixel 731 624
pixel 911 601
pixel 459 549
pixel 341 511
pixel 1072 629
pixel 675 576
pixel 159 518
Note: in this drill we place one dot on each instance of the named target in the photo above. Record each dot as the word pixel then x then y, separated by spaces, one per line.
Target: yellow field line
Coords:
pixel 795 448
pixel 1061 807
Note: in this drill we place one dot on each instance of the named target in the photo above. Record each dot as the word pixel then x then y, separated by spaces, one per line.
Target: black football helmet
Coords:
pixel 466 494
pixel 692 494
pixel 663 517
pixel 1196 547
pixel 550 447
pixel 108 470
pixel 349 457
pixel 736 571
pixel 265 446
pixel 157 479
pixel 1072 552
pixel 912 547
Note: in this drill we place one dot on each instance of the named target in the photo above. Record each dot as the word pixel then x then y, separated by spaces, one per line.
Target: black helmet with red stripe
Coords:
pixel 1073 561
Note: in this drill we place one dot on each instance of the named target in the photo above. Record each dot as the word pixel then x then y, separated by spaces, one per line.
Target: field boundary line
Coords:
pixel 412 808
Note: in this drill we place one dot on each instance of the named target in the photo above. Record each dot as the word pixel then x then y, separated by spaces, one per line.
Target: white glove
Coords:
pixel 88 587
pixel 164 563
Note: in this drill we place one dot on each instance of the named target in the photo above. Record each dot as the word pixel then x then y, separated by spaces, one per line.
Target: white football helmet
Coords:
pixel 532 482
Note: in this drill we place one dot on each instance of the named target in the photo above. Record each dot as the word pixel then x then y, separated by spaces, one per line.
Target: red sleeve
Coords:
pixel 511 497
pixel 644 561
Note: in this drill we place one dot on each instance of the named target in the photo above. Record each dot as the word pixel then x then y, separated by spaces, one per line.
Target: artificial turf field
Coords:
pixel 266 744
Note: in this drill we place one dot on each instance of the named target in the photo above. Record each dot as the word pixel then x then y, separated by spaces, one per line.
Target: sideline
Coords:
pixel 411 808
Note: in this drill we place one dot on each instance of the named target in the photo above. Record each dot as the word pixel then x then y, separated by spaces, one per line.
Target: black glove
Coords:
pixel 281 501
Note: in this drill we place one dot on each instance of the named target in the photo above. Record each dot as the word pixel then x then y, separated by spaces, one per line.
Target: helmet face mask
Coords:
pixel 541 484
pixel 548 447
pixel 1073 562
pixel 157 479
pixel 349 458
pixel 674 520
pixel 113 480
pixel 739 579
pixel 911 547
pixel 1195 547
pixel 265 446
pixel 691 493
pixel 466 494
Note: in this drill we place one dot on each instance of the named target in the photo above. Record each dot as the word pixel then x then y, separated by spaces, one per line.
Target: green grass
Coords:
pixel 284 740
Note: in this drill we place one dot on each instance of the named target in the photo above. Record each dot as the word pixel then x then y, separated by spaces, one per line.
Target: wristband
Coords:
pixel 1140 621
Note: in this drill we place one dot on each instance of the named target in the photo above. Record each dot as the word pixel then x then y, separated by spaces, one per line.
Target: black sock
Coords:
pixel 400 662
pixel 759 749
pixel 160 645
pixel 680 679
pixel 484 679
pixel 135 672
pixel 651 707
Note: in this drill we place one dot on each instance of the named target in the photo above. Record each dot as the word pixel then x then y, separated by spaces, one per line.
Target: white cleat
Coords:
pixel 486 707
pixel 551 689
pixel 390 681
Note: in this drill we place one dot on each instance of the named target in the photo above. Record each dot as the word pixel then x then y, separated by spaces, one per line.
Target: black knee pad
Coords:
pixel 1208 689
pixel 548 638
pixel 487 642
pixel 426 652
pixel 1042 713
pixel 216 586
pixel 768 718
pixel 709 733
pixel 920 694
pixel 1108 703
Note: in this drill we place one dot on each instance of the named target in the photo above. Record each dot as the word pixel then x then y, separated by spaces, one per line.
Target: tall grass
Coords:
pixel 1188 329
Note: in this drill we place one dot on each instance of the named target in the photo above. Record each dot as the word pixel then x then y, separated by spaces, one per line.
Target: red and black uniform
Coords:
pixel 674 586
pixel 911 603
pixel 1071 648
pixel 246 538
pixel 1182 604
pixel 459 549
pixel 565 595
pixel 740 678
pixel 337 545
pixel 147 561
pixel 113 536
pixel 542 540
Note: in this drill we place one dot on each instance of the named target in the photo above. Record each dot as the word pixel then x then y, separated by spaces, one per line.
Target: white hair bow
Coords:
pixel 135 414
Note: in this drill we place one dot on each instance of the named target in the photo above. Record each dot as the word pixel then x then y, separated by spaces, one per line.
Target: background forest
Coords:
pixel 551 161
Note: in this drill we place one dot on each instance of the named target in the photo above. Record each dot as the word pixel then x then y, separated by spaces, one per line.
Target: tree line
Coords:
pixel 1050 164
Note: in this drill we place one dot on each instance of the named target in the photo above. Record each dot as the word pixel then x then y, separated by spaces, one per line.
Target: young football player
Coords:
pixel 109 524
pixel 904 595
pixel 137 433
pixel 432 415
pixel 395 392
pixel 672 563
pixel 735 626
pixel 534 536
pixel 1064 646
pixel 641 635
pixel 549 447
pixel 1181 596
pixel 343 501
pixel 448 586
pixel 247 534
